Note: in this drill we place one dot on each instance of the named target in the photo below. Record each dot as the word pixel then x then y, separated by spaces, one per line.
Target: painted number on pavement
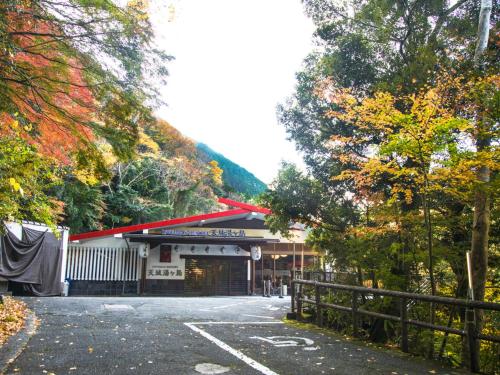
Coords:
pixel 284 341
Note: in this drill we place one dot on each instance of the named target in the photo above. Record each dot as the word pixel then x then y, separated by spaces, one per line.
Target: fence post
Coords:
pixel 354 305
pixel 319 317
pixel 293 295
pixel 403 308
pixel 470 321
pixel 299 303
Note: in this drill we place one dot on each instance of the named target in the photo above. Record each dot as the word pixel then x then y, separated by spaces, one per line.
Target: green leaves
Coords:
pixel 25 178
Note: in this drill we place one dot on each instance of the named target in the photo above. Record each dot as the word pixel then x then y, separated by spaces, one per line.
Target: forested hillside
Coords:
pixel 164 179
pixel 235 178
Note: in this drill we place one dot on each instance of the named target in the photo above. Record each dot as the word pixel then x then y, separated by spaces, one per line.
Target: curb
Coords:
pixel 14 346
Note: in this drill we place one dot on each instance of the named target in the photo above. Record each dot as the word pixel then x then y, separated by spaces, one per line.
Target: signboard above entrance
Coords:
pixel 237 233
pixel 165 264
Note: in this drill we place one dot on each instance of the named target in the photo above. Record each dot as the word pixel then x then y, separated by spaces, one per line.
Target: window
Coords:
pixel 165 253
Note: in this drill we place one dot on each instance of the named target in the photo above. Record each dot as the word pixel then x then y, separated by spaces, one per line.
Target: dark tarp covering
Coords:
pixel 33 262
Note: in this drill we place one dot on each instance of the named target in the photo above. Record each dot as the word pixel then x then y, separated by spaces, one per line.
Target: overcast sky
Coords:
pixel 235 60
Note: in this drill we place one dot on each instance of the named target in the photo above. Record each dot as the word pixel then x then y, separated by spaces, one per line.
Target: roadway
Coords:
pixel 211 335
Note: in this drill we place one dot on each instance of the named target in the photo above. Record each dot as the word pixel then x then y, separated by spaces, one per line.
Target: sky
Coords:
pixel 235 60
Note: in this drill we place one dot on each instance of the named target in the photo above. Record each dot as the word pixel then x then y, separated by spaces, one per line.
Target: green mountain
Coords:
pixel 234 177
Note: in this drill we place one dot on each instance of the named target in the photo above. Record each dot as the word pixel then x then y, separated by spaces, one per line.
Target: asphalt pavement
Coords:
pixel 209 335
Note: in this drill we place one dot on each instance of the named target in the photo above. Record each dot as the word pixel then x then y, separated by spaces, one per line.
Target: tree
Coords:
pixel 482 202
pixel 216 172
pixel 481 224
pixel 25 177
pixel 385 111
pixel 164 179
pixel 84 204
pixel 76 70
pixel 398 48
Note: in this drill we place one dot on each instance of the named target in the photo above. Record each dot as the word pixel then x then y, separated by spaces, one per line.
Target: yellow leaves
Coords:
pixel 87 177
pixel 216 172
pixel 17 128
pixel 14 125
pixel 147 146
pixel 15 186
pixel 377 114
pixel 12 315
pixel 344 175
pixel 140 7
pixel 398 190
pixel 108 155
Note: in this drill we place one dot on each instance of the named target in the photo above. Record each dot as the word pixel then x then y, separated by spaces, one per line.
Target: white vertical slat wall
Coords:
pixel 103 263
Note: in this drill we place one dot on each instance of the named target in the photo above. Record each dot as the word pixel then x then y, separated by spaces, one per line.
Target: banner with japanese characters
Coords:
pixel 165 264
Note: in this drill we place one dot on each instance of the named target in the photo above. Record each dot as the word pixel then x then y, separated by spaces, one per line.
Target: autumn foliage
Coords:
pixel 47 88
pixel 12 316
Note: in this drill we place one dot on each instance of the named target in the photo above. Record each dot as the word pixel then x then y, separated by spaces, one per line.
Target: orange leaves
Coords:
pixel 170 140
pixel 407 144
pixel 47 87
pixel 12 315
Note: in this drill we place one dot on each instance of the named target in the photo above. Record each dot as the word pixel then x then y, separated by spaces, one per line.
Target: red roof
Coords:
pixel 245 206
pixel 242 208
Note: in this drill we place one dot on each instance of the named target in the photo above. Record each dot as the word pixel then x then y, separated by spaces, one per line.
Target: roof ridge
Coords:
pixel 244 206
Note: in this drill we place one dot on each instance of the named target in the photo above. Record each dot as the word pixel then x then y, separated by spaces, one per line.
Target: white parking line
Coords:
pixel 258 316
pixel 249 361
pixel 233 304
pixel 237 323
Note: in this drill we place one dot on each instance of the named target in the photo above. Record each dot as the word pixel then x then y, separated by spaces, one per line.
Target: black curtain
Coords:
pixel 32 264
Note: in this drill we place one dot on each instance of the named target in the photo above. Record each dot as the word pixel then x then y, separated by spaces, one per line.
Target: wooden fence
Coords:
pixel 298 299
pixel 102 264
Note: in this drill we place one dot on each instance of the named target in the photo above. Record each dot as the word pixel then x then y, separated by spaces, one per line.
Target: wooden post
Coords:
pixel 470 322
pixel 292 291
pixel 354 306
pixel 302 261
pixel 403 308
pixel 299 303
pixel 142 284
pixel 274 269
pixel 319 317
pixel 262 273
pixel 253 277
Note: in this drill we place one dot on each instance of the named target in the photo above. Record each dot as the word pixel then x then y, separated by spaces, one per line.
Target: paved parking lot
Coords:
pixel 232 335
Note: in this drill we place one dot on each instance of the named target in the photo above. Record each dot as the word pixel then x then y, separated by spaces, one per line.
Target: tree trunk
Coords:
pixel 428 227
pixel 480 231
pixel 483 31
pixel 481 223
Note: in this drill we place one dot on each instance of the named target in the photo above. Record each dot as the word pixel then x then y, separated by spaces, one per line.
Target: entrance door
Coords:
pixel 215 276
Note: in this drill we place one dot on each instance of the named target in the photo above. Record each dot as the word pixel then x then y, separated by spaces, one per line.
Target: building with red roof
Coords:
pixel 229 252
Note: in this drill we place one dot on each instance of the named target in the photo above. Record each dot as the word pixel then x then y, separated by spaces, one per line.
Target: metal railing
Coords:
pixel 298 299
